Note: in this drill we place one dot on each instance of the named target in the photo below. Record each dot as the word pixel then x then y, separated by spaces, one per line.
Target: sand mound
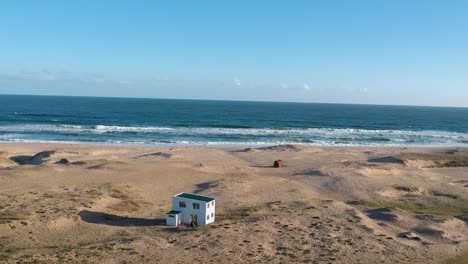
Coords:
pixel 5 160
pixel 351 187
pixel 420 163
pixel 370 172
pixel 454 229
pixel 399 191
pixel 60 223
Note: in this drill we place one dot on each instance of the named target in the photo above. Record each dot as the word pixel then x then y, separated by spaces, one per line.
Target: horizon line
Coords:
pixel 233 100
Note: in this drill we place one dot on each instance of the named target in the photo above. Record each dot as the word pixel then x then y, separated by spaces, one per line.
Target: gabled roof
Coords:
pixel 195 197
pixel 174 212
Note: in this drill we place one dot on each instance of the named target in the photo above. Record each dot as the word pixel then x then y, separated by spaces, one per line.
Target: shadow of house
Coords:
pixel 115 220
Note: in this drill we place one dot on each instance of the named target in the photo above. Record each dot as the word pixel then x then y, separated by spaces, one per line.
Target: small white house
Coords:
pixel 191 209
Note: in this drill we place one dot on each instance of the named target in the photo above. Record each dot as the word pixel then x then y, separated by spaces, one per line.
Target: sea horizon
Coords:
pixel 231 100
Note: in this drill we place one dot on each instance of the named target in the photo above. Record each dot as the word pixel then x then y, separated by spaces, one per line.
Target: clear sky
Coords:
pixel 379 52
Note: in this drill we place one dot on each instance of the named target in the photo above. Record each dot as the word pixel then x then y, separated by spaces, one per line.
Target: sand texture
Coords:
pixel 102 204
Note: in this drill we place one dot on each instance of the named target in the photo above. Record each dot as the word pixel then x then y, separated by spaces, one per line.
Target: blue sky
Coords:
pixel 377 52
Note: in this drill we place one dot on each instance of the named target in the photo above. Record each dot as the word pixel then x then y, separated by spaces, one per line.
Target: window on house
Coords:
pixel 208 205
pixel 212 214
pixel 212 203
pixel 182 204
pixel 196 206
pixel 208 217
pixel 171 216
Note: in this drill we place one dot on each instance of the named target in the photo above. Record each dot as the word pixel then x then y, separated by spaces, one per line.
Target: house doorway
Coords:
pixel 194 220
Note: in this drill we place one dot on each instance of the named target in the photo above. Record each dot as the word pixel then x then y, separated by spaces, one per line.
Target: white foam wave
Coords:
pixel 219 136
pixel 103 128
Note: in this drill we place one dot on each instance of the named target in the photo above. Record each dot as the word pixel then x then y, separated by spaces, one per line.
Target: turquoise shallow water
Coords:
pixel 133 121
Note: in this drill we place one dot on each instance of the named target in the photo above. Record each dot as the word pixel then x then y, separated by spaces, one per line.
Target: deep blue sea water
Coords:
pixel 198 122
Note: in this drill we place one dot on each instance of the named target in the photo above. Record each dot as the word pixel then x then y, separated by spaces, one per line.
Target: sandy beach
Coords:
pixel 86 204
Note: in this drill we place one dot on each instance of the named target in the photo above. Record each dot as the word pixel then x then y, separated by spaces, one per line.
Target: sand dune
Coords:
pixel 76 203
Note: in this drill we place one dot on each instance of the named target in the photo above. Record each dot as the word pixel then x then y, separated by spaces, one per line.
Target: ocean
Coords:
pixel 131 121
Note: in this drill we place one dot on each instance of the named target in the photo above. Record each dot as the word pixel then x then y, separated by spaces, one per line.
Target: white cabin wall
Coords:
pixel 209 211
pixel 188 211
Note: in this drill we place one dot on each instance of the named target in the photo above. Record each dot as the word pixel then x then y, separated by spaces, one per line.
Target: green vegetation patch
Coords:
pixel 440 160
pixel 434 207
pixel 462 259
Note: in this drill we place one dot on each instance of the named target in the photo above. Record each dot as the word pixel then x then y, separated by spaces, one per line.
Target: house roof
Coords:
pixel 196 197
pixel 174 212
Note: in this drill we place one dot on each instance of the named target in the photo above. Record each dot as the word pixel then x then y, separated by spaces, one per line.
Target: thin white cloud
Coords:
pixel 296 87
pixel 358 90
pixel 363 90
pixel 46 75
pixel 237 82
pixel 42 75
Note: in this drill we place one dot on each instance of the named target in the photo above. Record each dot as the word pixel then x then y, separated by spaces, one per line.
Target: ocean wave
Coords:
pixel 223 135
pixel 218 143
pixel 326 132
pixel 103 128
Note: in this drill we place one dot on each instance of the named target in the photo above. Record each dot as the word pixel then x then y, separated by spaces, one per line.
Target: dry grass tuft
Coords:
pixel 406 188
pixel 8 216
pixel 125 206
pixel 237 213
